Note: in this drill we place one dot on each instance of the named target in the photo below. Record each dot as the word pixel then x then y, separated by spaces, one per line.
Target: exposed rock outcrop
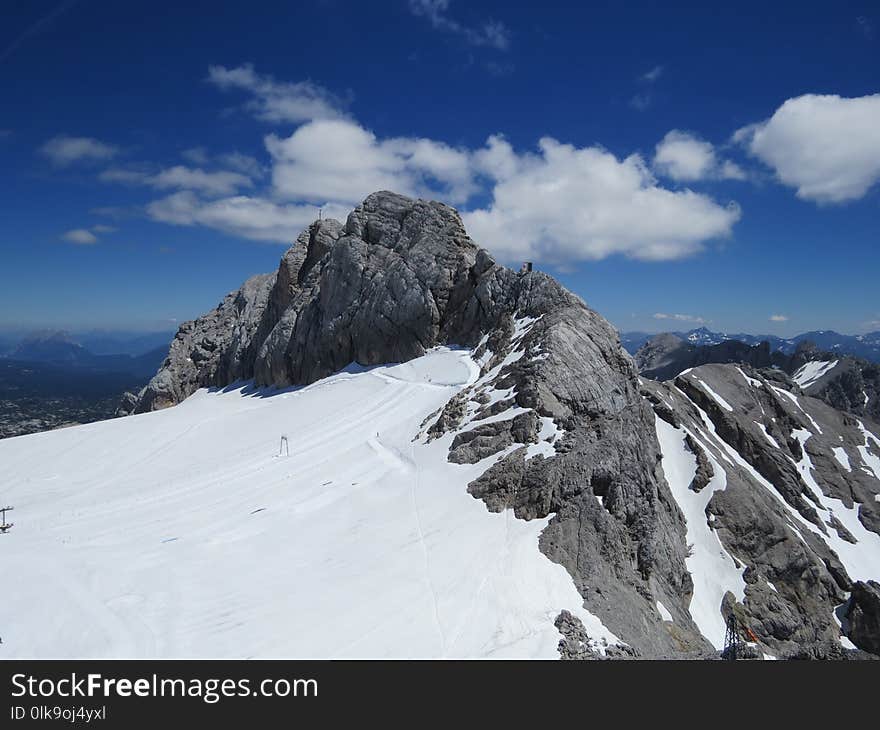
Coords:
pixel 666 355
pixel 863 615
pixel 794 469
pixel 844 382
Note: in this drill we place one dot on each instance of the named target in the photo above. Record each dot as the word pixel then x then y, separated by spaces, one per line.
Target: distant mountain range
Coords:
pixel 135 354
pixel 866 346
pixel 51 378
pixel 846 382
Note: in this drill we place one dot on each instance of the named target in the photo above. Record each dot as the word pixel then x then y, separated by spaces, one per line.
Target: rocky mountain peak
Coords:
pixel 399 277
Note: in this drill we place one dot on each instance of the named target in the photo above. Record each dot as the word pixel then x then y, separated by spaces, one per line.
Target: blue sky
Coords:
pixel 674 166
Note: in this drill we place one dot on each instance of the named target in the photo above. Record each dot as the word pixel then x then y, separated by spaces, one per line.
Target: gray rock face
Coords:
pixel 863 615
pixel 399 277
pixel 666 355
pixel 469 447
pixel 851 385
pixel 769 515
pixel 704 472
pixel 214 350
pixel 127 404
pixel 575 642
pixel 571 437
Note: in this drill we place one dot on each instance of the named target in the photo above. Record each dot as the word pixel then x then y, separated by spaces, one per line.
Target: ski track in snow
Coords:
pixel 184 533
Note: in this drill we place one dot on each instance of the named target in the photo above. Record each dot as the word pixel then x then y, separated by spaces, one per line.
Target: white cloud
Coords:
pixel 680 317
pixel 778 318
pixel 490 33
pixel 80 236
pixel 242 163
pixel 338 160
pixel 684 157
pixel 560 204
pixel 731 171
pixel 182 178
pixel 652 75
pixel 277 101
pixel 212 183
pixel 641 102
pixel 236 161
pixel 197 156
pixel 497 159
pixel 63 150
pixel 244 216
pixel 827 147
pixel 569 204
pixel 86 236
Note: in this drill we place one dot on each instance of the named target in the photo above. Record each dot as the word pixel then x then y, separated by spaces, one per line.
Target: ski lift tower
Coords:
pixel 5 526
pixel 733 644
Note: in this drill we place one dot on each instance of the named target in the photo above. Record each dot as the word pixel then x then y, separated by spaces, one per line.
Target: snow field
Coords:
pixel 183 533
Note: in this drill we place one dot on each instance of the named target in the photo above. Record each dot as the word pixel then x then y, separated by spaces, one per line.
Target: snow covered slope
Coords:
pixel 184 533
pixel 779 495
pixel 811 372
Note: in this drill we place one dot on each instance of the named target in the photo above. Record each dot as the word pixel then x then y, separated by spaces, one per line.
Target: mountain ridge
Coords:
pixel 865 345
pixel 848 383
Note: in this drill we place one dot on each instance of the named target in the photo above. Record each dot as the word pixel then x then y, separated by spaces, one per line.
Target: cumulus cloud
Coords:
pixel 490 33
pixel 826 147
pixel 778 318
pixel 559 204
pixel 80 236
pixel 240 215
pixel 182 178
pixel 63 150
pixel 277 101
pixel 86 236
pixel 569 204
pixel 340 161
pixel 685 157
pixel 680 317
